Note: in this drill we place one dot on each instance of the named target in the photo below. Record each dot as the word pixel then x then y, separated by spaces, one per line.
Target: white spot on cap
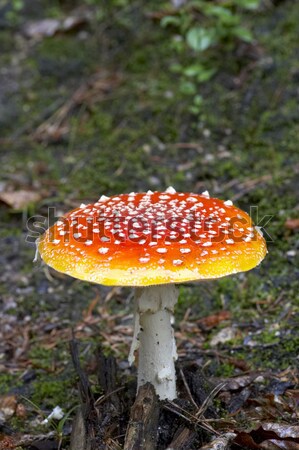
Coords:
pixel 170 190
pixel 162 250
pixel 164 197
pixel 207 244
pixel 77 235
pixel 185 250
pixel 103 250
pixel 82 205
pixel 177 262
pixel 205 194
pixel 144 260
pixel 105 239
pixel 103 198
pixel 149 193
pixel 228 203
pixel 56 241
pixel 88 242
pixel 229 241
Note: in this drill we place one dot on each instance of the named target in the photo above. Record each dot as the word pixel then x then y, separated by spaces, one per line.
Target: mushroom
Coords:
pixel 152 241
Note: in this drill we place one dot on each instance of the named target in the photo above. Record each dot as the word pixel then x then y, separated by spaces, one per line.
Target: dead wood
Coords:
pixel 143 426
pixel 82 431
pixel 183 439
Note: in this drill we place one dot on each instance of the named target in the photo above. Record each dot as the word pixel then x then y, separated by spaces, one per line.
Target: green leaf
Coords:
pixel 200 39
pixel 198 100
pixel 193 70
pixel 199 71
pixel 176 68
pixel 206 74
pixel 249 4
pixel 18 5
pixel 218 11
pixel 170 20
pixel 187 88
pixel 242 33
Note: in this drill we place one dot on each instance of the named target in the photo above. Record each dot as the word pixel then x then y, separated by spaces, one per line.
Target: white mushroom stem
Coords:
pixel 154 336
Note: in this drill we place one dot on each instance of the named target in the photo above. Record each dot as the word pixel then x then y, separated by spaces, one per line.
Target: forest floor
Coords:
pixel 93 108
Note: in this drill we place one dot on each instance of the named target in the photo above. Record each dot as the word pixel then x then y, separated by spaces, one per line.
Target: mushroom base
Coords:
pixel 154 336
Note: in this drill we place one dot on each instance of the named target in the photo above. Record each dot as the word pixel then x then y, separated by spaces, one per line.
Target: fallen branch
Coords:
pixel 143 426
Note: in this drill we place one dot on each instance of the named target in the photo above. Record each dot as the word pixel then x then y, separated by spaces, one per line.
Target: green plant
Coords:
pixel 56 424
pixel 14 9
pixel 200 28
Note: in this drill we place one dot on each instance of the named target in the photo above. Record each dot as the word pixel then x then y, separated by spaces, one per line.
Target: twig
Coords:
pixel 188 389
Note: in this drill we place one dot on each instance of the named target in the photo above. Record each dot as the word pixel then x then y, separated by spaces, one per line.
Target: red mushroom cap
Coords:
pixel 153 238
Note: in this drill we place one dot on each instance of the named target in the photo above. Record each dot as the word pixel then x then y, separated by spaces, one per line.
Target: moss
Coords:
pixel 7 381
pixel 225 370
pixel 47 394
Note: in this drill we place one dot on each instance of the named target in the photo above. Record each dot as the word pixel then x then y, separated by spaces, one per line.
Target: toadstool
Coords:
pixel 152 241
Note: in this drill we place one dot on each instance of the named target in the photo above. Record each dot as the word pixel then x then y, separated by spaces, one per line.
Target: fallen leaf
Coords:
pixel 6 442
pixel 233 384
pixel 274 444
pixel 220 443
pixel 21 411
pixel 278 387
pixel 41 28
pixel 238 400
pixel 224 335
pixel 20 199
pixel 270 436
pixel 8 405
pixel 213 320
pixel 282 430
pixel 292 224
pixel 244 440
pixel 239 364
pixel 49 27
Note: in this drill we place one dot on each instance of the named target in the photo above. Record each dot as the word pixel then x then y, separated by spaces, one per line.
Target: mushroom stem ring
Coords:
pixel 154 337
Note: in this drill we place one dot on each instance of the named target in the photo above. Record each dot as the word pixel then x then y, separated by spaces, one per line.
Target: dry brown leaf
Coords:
pixel 213 320
pixel 233 384
pixel 8 405
pixel 6 442
pixel 20 199
pixel 282 430
pixel 292 224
